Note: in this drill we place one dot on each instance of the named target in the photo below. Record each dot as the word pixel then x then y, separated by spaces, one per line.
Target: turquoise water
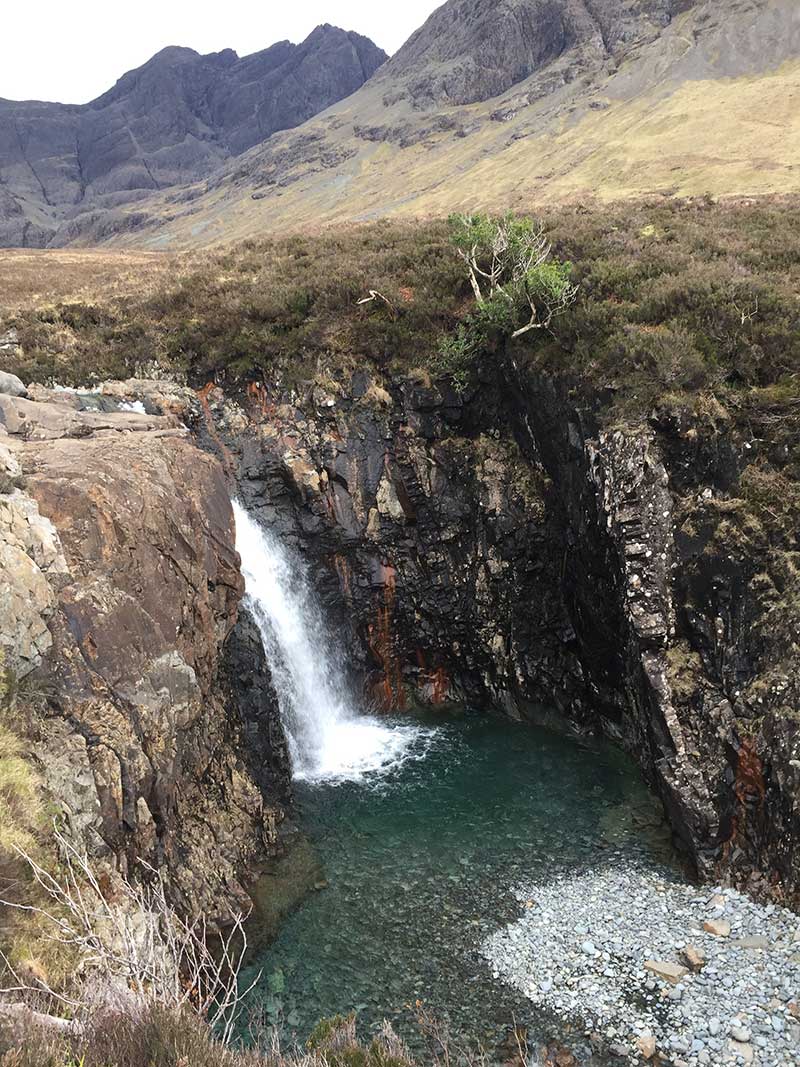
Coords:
pixel 414 868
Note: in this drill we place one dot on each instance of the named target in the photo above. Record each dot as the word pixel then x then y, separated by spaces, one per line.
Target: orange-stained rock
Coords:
pixel 140 590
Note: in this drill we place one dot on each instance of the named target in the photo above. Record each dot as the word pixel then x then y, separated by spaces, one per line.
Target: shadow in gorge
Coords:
pixel 415 866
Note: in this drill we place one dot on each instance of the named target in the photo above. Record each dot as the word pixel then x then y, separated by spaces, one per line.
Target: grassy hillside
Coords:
pixel 675 297
pixel 707 104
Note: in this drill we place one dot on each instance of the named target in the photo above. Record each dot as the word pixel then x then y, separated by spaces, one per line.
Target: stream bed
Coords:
pixel 414 865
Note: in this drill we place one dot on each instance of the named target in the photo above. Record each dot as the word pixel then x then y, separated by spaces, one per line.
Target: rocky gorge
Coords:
pixel 525 558
pixel 518 557
pixel 539 545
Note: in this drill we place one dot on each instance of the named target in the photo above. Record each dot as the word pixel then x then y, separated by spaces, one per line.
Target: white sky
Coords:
pixel 73 50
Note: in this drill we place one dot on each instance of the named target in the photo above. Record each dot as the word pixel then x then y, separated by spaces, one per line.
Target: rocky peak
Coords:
pixel 171 121
pixel 471 50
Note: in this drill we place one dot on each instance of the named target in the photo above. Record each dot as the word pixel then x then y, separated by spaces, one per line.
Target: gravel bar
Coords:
pixel 656 969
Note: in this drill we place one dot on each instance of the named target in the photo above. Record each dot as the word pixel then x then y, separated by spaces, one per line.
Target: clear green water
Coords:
pixel 418 865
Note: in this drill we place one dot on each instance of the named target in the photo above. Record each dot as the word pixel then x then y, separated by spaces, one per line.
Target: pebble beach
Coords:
pixel 658 970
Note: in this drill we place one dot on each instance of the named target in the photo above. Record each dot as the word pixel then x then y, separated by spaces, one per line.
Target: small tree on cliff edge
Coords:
pixel 509 261
pixel 518 286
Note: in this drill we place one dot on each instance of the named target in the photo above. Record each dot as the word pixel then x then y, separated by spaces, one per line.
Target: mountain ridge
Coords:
pixel 504 105
pixel 169 122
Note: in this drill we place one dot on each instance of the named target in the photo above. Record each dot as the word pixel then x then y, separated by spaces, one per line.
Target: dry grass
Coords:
pixel 20 802
pixel 675 297
pixel 24 936
pixel 20 796
pixel 162 1038
pixel 42 278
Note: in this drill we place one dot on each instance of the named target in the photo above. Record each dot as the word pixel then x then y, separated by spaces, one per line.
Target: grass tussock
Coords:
pixel 161 1038
pixel 19 795
pixel 21 808
pixel 25 936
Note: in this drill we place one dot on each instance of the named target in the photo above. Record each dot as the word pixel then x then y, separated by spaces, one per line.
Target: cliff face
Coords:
pixel 170 122
pixel 513 554
pixel 673 585
pixel 471 50
pixel 120 561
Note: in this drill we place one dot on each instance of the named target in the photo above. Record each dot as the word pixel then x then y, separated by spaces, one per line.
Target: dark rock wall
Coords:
pixel 669 611
pixel 512 553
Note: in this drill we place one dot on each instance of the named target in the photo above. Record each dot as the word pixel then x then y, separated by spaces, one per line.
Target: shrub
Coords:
pixel 517 286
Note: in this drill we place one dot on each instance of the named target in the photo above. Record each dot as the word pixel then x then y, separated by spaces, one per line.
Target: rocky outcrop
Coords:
pixel 170 122
pixel 31 558
pixel 669 619
pixel 125 586
pixel 471 50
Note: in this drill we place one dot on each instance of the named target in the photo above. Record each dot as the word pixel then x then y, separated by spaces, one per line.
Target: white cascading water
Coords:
pixel 328 738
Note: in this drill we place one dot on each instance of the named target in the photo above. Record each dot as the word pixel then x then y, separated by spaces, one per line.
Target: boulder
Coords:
pixel 646 1044
pixel 694 958
pixel 11 385
pixel 741 1049
pixel 49 421
pixel 754 942
pixel 717 927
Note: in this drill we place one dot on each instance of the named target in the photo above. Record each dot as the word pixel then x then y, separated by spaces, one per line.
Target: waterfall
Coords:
pixel 329 738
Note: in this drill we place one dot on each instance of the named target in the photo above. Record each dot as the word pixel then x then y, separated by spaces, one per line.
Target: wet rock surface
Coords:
pixel 669 621
pixel 427 539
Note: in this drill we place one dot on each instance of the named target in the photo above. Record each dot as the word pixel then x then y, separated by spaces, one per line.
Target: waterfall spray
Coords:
pixel 329 738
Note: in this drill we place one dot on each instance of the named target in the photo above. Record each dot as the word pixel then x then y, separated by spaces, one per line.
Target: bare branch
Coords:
pixel 375 295
pixel 552 307
pixel 140 949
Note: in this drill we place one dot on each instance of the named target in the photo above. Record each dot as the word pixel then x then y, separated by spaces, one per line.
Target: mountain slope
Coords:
pixel 172 121
pixel 623 97
pixel 491 104
pixel 471 50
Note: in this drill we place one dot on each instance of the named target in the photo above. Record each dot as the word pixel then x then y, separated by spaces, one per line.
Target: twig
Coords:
pixel 143 949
